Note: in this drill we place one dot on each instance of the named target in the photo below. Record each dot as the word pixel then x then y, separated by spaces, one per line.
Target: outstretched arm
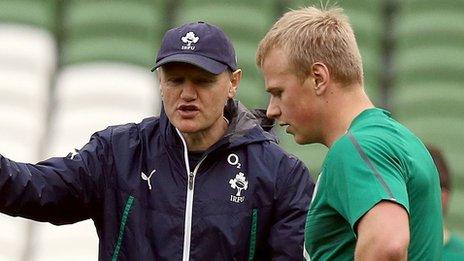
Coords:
pixel 57 190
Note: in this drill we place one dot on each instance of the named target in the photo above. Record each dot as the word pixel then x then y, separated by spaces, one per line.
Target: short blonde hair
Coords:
pixel 310 35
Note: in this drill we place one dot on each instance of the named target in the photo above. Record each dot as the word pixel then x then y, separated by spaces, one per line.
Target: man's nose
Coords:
pixel 273 110
pixel 189 91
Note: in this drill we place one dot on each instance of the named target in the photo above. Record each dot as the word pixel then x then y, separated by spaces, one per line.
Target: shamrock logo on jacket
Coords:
pixel 239 182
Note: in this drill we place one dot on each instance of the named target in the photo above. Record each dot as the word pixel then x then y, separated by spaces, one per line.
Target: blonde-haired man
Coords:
pixel 378 194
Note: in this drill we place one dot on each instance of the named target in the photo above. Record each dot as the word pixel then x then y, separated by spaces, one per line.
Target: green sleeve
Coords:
pixel 363 172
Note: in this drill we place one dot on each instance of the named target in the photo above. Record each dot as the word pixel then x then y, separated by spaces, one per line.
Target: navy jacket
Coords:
pixel 246 198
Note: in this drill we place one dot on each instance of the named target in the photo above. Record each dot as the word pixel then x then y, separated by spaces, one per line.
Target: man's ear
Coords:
pixel 321 77
pixel 235 79
pixel 159 72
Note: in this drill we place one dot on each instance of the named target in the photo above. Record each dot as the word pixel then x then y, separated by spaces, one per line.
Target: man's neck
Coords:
pixel 201 141
pixel 344 106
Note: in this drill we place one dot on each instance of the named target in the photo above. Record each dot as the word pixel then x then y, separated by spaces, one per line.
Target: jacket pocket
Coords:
pixel 122 227
pixel 253 234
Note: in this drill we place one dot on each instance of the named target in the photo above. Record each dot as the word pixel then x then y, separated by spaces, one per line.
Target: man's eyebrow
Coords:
pixel 208 77
pixel 272 88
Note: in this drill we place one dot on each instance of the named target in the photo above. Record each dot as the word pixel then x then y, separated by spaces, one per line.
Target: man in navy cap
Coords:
pixel 205 180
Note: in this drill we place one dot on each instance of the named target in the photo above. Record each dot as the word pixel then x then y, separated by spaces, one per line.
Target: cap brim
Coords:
pixel 205 63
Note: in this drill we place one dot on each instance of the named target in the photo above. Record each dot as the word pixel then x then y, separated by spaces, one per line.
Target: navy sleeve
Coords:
pixel 58 190
pixel 294 192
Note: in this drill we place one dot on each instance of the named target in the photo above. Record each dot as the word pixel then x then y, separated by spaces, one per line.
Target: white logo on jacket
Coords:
pixel 234 160
pixel 189 39
pixel 147 178
pixel 239 183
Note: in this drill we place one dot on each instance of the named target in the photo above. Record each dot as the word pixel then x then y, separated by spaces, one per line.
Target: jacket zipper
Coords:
pixel 189 201
pixel 190 182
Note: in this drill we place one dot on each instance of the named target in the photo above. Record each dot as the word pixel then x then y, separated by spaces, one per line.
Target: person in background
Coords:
pixel 204 181
pixel 453 246
pixel 378 195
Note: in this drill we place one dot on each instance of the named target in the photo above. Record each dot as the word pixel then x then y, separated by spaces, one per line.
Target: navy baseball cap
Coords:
pixel 200 44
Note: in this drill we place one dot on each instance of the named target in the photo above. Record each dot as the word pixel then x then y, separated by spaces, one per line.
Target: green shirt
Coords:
pixel 453 249
pixel 377 159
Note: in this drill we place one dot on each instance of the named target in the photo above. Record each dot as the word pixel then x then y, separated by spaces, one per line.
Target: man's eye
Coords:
pixel 276 93
pixel 176 80
pixel 203 81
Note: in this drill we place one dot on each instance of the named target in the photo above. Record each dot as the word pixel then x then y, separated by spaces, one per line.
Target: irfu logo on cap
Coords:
pixel 189 39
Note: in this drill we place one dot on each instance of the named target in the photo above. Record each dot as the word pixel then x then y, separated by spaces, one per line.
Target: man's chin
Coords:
pixel 300 140
pixel 185 126
pixel 188 127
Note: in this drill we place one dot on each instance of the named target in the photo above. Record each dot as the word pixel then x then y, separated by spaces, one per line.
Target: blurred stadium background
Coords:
pixel 69 68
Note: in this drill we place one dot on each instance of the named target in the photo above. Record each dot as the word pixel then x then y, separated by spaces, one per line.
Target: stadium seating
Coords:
pixel 23 106
pixel 111 31
pixel 19 12
pixel 90 97
pixel 28 59
pixel 78 241
pixel 13 238
pixel 427 96
pixel 245 22
pixel 429 100
pixel 108 49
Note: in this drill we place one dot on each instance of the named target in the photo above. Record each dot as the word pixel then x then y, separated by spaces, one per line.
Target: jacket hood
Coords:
pixel 244 127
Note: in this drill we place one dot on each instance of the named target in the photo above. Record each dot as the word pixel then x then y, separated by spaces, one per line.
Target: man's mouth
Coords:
pixel 286 126
pixel 188 108
pixel 188 111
